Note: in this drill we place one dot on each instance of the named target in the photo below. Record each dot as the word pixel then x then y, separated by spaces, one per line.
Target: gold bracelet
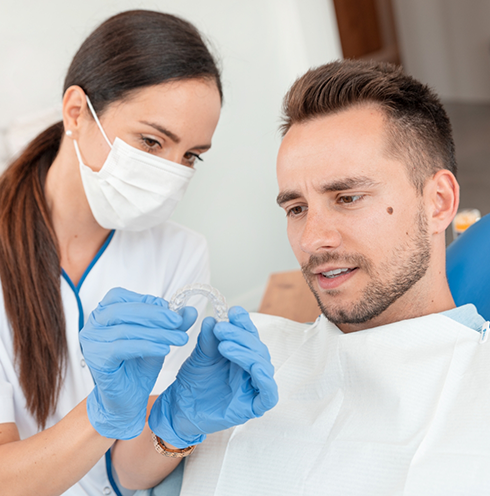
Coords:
pixel 171 453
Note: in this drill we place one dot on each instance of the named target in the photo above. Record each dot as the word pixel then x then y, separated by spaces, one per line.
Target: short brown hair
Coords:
pixel 421 132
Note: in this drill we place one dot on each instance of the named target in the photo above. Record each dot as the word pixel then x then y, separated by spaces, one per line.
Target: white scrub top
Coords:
pixel 157 261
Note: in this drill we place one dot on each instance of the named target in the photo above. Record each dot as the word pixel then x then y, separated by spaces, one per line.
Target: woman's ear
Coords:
pixel 442 192
pixel 74 110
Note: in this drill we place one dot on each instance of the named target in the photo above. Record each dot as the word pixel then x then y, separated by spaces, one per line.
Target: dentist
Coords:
pixel 85 209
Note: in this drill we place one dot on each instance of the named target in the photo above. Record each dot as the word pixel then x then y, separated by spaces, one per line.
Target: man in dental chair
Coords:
pixel 387 393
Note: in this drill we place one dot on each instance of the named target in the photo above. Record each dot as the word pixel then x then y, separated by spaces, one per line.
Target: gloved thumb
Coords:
pixel 189 316
pixel 207 342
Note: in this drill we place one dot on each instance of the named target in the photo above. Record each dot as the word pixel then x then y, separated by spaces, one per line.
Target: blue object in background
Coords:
pixel 468 267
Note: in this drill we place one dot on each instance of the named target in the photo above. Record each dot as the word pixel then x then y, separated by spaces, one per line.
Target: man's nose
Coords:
pixel 320 233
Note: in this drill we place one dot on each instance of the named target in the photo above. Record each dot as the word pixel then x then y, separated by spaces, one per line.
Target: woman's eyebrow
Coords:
pixel 162 130
pixel 172 135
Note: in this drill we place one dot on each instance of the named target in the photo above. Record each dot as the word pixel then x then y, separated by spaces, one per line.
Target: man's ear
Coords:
pixel 74 109
pixel 442 197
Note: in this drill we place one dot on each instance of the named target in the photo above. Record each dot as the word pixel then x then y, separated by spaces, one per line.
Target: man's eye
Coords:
pixel 294 211
pixel 347 199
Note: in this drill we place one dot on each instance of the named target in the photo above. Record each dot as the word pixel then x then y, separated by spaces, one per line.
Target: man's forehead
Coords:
pixel 366 119
pixel 334 137
pixel 337 148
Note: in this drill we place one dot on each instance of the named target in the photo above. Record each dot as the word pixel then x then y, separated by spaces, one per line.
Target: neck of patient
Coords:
pixel 429 295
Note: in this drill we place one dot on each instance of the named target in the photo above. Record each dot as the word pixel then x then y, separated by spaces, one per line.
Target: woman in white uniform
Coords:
pixel 83 210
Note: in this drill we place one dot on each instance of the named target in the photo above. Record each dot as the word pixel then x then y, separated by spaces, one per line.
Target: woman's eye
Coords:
pixel 190 158
pixel 349 199
pixel 295 211
pixel 150 144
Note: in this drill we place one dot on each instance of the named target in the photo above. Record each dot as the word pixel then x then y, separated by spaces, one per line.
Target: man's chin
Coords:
pixel 345 318
pixel 339 312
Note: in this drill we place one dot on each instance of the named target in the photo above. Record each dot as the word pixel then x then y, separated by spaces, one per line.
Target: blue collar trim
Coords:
pixel 95 259
pixel 76 289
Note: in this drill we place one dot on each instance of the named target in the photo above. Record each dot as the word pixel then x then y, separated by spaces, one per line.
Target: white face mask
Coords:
pixel 133 190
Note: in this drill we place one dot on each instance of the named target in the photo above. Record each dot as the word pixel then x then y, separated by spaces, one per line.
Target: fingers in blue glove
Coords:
pixel 240 343
pixel 189 316
pixel 127 332
pixel 139 348
pixel 123 306
pixel 207 343
pixel 227 332
pixel 124 343
pixel 121 295
pixel 266 386
pixel 137 313
pixel 240 317
pixel 261 374
pixel 244 356
pixel 242 331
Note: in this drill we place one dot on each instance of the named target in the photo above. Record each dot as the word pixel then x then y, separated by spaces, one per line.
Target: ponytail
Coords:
pixel 30 275
pixel 129 51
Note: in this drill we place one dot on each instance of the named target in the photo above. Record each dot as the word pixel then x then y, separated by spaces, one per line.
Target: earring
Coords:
pixel 68 132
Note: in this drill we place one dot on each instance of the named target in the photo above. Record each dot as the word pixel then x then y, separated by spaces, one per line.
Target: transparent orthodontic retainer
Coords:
pixel 181 296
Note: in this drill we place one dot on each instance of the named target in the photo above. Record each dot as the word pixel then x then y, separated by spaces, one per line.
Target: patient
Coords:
pixel 387 392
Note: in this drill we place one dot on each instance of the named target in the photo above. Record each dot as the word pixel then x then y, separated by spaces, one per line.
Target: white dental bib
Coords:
pixel 402 409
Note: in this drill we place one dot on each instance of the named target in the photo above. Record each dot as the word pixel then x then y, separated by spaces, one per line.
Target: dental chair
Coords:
pixel 468 267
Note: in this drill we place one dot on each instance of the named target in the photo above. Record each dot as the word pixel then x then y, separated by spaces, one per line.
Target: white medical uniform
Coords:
pixel 157 261
pixel 401 409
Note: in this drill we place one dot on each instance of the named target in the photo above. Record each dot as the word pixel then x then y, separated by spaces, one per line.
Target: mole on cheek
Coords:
pixel 389 210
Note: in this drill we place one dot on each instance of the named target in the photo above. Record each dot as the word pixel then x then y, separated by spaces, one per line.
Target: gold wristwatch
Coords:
pixel 171 453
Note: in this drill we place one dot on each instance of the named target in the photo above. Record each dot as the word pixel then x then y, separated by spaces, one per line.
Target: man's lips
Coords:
pixel 333 277
pixel 331 270
pixel 336 272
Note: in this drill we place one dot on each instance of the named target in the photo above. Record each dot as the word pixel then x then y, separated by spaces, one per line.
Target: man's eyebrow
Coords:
pixel 173 136
pixel 338 185
pixel 286 196
pixel 347 183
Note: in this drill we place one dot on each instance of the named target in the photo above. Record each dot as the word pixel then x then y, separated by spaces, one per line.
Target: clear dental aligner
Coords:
pixel 180 298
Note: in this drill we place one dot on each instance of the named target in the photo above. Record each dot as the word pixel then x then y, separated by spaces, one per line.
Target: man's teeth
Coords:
pixel 335 272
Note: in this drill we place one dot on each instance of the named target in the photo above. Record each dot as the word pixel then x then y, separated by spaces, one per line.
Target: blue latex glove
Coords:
pixel 227 380
pixel 124 343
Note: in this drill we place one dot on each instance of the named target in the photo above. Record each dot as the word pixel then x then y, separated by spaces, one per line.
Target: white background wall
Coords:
pixel 263 45
pixel 446 43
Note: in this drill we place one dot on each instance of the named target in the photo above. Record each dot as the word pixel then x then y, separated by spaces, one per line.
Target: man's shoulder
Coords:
pixel 467 315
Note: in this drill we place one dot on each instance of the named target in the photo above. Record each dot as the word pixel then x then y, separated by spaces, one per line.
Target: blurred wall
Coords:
pixel 263 46
pixel 446 43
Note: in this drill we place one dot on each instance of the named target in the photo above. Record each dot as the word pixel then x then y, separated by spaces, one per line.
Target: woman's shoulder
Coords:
pixel 171 228
pixel 169 234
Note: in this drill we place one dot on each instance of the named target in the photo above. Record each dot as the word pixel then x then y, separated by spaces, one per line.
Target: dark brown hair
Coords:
pixel 131 50
pixel 419 132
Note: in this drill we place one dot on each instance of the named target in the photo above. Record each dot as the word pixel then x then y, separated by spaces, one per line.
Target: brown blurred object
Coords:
pixel 287 295
pixel 367 30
